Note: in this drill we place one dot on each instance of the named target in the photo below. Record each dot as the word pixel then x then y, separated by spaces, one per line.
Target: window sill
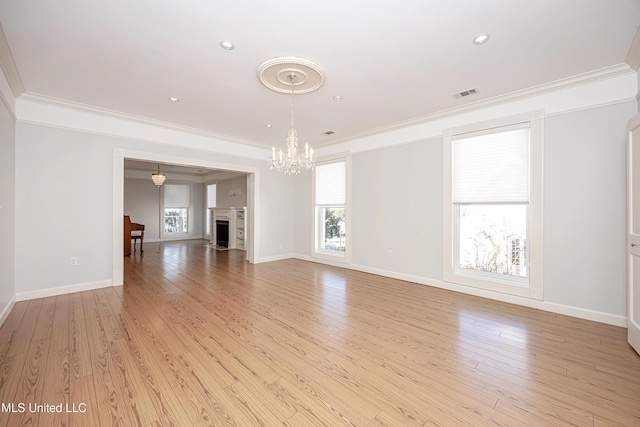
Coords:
pixel 340 257
pixel 510 287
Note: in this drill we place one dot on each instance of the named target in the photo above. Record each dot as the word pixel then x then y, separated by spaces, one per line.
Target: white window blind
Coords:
pixel 330 183
pixel 176 196
pixel 491 168
pixel 211 196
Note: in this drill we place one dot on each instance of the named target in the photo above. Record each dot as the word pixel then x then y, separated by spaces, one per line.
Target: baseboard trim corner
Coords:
pixel 7 309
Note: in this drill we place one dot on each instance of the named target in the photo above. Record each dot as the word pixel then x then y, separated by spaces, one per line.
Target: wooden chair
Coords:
pixel 132 232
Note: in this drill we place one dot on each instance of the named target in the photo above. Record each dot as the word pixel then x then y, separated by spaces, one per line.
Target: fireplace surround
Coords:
pixel 228 228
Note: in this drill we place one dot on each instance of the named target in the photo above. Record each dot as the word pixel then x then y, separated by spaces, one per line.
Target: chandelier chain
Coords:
pixel 292 78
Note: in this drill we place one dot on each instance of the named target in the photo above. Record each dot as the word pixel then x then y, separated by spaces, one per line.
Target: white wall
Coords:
pixel 7 211
pixel 69 212
pixel 196 228
pixel 302 220
pixel 64 210
pixel 397 206
pixel 142 204
pixel 224 200
pixel 585 208
pixel 276 199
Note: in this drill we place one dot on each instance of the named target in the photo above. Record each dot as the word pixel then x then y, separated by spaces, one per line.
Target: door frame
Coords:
pixel 633 241
pixel 119 154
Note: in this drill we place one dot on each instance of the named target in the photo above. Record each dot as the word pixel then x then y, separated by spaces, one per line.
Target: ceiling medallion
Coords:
pixel 274 74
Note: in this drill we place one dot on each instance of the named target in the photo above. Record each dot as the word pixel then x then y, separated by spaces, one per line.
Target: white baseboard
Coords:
pixel 51 292
pixel 174 239
pixel 582 313
pixel 6 310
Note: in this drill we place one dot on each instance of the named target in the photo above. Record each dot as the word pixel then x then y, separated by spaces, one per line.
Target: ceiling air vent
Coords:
pixel 464 93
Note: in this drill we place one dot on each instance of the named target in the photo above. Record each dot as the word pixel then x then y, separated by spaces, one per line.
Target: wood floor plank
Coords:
pixel 60 324
pixel 297 369
pixel 113 408
pixel 44 324
pixel 110 406
pixel 174 401
pixel 79 353
pixel 14 318
pixel 82 395
pixel 30 387
pixel 6 339
pixel 319 412
pixel 24 331
pixel 259 409
pixel 10 378
pixel 133 389
pixel 56 388
pixel 349 411
pixel 198 336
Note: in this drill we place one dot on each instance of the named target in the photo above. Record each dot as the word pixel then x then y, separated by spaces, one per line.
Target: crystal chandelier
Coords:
pixel 157 177
pixel 293 162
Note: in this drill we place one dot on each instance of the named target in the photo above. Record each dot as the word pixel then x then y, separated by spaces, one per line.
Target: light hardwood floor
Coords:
pixel 200 337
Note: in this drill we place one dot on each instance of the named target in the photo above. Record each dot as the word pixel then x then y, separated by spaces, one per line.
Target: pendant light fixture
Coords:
pixel 157 177
pixel 294 162
pixel 291 75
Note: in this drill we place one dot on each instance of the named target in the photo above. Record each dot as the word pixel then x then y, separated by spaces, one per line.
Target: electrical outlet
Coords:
pixel 281 246
pixel 73 261
pixel 389 253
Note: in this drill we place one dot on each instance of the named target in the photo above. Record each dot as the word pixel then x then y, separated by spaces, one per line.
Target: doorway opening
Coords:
pixel 253 182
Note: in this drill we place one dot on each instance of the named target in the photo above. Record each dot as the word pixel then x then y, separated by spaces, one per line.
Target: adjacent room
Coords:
pixel 418 213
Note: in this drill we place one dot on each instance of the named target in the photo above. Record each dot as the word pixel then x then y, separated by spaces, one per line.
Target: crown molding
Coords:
pixel 557 85
pixel 9 67
pixel 51 112
pixel 85 108
pixel 633 57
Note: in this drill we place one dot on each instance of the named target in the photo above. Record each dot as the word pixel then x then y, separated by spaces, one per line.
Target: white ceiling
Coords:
pixel 391 61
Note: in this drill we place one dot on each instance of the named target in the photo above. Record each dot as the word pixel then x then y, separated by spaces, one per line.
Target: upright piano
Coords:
pixel 132 231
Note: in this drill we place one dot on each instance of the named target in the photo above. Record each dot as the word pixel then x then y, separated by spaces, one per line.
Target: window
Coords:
pixel 331 229
pixel 211 203
pixel 493 212
pixel 176 208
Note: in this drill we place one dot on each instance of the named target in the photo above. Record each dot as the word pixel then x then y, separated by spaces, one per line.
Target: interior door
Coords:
pixel 633 227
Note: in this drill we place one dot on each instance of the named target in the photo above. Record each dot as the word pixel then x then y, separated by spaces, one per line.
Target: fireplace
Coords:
pixel 222 233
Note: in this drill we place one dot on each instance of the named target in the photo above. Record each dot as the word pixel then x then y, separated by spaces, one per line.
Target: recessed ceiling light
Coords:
pixel 337 98
pixel 267 126
pixel 227 45
pixel 173 99
pixel 481 39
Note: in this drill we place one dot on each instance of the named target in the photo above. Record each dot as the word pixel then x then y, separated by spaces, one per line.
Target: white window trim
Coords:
pixel 173 236
pixel 315 251
pixel 534 289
